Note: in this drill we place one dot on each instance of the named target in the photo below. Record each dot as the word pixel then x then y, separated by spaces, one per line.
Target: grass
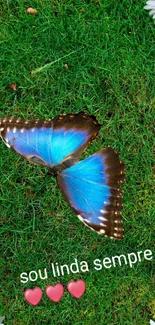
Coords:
pixel 108 48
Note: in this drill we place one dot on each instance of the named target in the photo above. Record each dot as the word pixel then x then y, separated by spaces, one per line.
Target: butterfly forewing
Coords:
pixel 49 142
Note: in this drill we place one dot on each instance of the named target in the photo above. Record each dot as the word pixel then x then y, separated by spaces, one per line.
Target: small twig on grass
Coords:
pixel 51 63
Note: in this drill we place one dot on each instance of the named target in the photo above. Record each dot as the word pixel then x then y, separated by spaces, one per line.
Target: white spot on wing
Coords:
pixel 14 130
pixel 7 144
pixel 118 221
pixel 102 231
pixel 80 217
pixel 103 211
pixel 102 218
pixel 87 220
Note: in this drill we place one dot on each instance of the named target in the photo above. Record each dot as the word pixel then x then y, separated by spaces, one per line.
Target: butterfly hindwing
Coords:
pixel 49 142
pixel 91 187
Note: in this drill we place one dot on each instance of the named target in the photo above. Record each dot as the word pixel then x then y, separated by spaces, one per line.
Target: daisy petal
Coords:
pixel 150 5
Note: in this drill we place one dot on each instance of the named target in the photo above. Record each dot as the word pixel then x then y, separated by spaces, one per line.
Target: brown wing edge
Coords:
pixel 116 177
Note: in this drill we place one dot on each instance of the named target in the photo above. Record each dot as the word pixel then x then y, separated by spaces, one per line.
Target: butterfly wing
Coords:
pixel 91 187
pixel 49 142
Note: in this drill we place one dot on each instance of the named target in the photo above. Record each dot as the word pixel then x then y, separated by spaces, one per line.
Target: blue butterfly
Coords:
pixel 91 186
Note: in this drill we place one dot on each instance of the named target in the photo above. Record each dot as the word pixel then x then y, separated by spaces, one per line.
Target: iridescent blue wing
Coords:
pixel 91 187
pixel 49 142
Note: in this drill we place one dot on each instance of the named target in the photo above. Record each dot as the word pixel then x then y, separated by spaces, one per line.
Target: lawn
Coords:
pixel 97 57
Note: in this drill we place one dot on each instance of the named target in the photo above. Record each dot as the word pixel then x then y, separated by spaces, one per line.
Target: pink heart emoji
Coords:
pixel 76 288
pixel 33 296
pixel 56 292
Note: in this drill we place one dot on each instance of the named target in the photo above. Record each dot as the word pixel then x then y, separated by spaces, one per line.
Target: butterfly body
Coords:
pixel 91 186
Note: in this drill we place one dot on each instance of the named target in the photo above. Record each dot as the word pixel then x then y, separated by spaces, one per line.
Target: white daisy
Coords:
pixel 152 322
pixel 150 5
pixel 1 320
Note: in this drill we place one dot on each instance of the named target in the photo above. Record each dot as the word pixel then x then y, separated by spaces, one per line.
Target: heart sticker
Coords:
pixel 76 288
pixel 56 292
pixel 33 296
